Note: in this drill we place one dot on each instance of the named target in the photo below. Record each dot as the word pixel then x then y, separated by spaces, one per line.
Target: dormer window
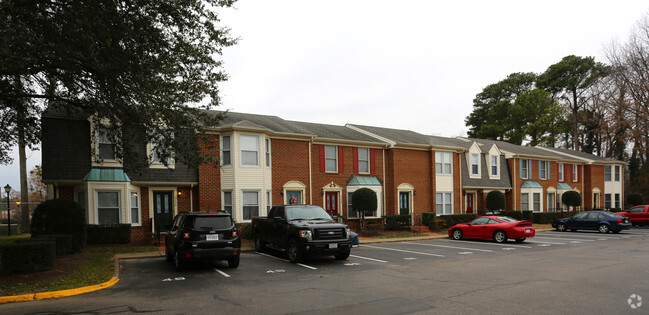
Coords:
pixel 106 146
pixel 494 165
pixel 475 166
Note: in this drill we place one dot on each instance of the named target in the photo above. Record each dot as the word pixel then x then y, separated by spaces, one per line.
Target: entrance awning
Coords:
pixel 563 186
pixel 531 184
pixel 361 180
pixel 106 175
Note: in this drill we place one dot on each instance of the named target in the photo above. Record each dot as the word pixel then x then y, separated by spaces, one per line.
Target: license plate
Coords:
pixel 334 245
pixel 212 237
pixel 528 230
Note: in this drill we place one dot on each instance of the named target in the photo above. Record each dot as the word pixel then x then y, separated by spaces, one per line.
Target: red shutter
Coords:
pixel 372 161
pixel 322 158
pixel 355 160
pixel 341 160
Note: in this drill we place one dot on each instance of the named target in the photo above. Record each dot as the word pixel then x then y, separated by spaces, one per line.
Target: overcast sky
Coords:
pixel 413 65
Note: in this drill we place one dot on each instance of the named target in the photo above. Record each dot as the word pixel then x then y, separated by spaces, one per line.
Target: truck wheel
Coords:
pixel 260 245
pixel 293 252
pixel 233 262
pixel 344 255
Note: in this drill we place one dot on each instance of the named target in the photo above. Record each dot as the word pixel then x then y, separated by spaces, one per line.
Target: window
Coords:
pixel 331 159
pixel 106 147
pixel 226 156
pixel 575 173
pixel 525 169
pixel 494 165
pixel 536 198
pixel 351 213
pixel 617 201
pixel 108 207
pixel 607 201
pixel 617 173
pixel 267 152
pixel 550 202
pixel 474 164
pixel 250 204
pixel 543 169
pixel 249 150
pixel 525 202
pixel 607 173
pixel 227 201
pixel 444 203
pixel 595 200
pixel 269 200
pixel 443 163
pixel 135 208
pixel 364 160
pixel 560 172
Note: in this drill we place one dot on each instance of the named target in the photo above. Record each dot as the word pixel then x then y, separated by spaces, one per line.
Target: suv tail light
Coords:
pixel 235 233
pixel 187 235
pixel 620 221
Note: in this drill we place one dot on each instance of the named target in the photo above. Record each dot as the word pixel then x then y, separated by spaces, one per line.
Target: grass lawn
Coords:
pixel 99 267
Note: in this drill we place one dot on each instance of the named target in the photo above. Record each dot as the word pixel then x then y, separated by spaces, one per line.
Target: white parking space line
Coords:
pixel 301 265
pixel 404 251
pixel 563 239
pixel 454 247
pixel 553 243
pixel 592 236
pixel 222 273
pixel 497 244
pixel 367 258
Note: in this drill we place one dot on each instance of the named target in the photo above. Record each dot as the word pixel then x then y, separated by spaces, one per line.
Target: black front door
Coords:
pixel 404 203
pixel 163 206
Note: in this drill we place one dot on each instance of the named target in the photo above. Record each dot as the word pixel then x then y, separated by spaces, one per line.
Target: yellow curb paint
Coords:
pixel 58 294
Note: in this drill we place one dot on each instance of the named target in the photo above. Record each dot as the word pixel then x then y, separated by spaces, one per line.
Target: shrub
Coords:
pixel 364 201
pixel 428 218
pixel 545 217
pixel 62 242
pixel 453 219
pixel 109 233
pixel 397 221
pixel 60 216
pixel 437 224
pixel 15 229
pixel 495 200
pixel 571 198
pixel 634 199
pixel 245 230
pixel 29 256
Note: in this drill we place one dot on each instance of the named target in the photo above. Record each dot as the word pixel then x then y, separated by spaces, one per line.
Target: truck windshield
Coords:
pixel 307 213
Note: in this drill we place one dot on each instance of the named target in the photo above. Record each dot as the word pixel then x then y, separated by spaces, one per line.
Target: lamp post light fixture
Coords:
pixel 7 190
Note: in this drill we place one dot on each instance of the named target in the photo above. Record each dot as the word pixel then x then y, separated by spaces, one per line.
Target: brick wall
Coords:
pixel 209 178
pixel 593 178
pixel 414 167
pixel 290 162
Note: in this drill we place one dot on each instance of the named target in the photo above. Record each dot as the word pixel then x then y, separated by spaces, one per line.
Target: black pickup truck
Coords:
pixel 302 230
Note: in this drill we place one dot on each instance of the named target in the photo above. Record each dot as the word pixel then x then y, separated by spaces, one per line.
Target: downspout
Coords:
pixel 384 182
pixel 461 186
pixel 514 194
pixel 310 173
pixel 191 198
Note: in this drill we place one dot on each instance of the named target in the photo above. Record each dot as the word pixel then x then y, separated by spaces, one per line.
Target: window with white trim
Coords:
pixel 444 203
pixel 106 145
pixel 607 173
pixel 226 153
pixel 249 150
pixel 135 208
pixel 575 173
pixel 475 165
pixel 495 163
pixel 331 159
pixel 525 202
pixel 227 201
pixel 267 152
pixel 250 204
pixel 364 160
pixel 269 200
pixel 108 207
pixel 525 168
pixel 617 173
pixel 351 213
pixel 561 168
pixel 444 163
pixel 543 169
pixel 617 201
pixel 607 201
pixel 536 202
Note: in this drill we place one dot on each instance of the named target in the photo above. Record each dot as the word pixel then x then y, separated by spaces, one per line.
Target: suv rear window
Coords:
pixel 212 223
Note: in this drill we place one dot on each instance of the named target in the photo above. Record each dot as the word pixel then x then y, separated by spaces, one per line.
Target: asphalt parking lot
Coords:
pixel 554 272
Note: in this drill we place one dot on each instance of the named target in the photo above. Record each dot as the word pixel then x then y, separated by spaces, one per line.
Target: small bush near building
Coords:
pixel 495 201
pixel 571 199
pixel 634 199
pixel 29 256
pixel 109 234
pixel 62 242
pixel 397 221
pixel 60 216
pixel 245 230
pixel 428 218
pixel 545 217
pixel 453 219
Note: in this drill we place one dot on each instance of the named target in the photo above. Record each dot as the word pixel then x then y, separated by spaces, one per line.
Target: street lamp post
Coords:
pixel 7 190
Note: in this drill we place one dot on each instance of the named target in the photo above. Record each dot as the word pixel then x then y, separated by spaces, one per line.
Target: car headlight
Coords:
pixel 348 232
pixel 306 234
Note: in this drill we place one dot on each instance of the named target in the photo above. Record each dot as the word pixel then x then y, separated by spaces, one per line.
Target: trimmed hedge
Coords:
pixel 397 221
pixel 545 217
pixel 29 256
pixel 428 218
pixel 109 234
pixel 60 216
pixel 453 219
pixel 15 229
pixel 63 242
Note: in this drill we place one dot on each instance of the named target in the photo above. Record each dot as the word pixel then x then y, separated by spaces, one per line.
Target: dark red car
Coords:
pixel 498 228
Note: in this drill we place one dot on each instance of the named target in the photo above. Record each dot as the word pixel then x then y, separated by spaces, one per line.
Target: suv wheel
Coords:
pixel 293 252
pixel 233 262
pixel 178 262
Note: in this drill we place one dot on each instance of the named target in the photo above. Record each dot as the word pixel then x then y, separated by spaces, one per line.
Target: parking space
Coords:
pixel 271 265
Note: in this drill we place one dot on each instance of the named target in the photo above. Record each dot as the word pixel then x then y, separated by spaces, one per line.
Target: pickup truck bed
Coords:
pixel 638 215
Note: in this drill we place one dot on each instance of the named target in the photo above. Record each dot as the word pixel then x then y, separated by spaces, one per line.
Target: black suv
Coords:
pixel 202 236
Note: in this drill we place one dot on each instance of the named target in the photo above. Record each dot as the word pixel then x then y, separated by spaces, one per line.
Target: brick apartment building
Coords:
pixel 266 160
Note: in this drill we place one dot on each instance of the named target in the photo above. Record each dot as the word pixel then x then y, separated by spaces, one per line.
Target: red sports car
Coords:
pixel 499 228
